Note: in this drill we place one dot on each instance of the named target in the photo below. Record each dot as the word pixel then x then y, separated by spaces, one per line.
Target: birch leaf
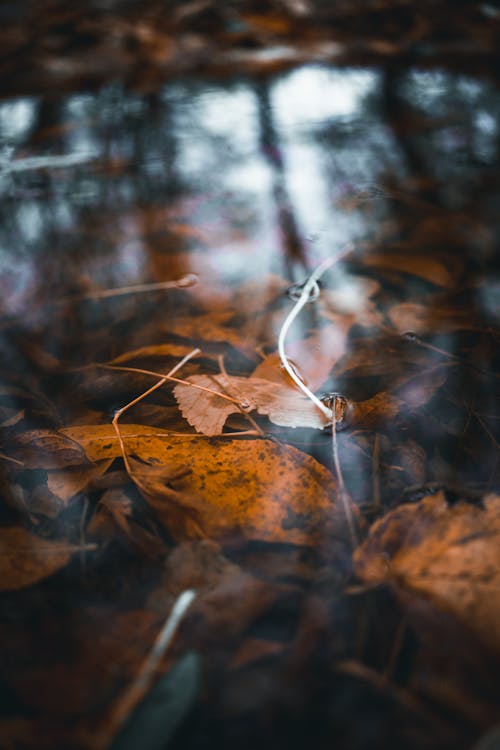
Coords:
pixel 207 412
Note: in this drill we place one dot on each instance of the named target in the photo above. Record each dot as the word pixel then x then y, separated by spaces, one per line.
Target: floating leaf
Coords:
pixel 26 559
pixel 207 412
pixel 451 555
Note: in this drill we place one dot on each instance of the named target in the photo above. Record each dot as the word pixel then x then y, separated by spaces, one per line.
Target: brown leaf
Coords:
pixel 266 490
pixel 435 271
pixel 114 513
pixel 26 559
pixel 450 555
pixel 158 350
pixel 44 449
pixel 425 319
pixel 262 489
pixel 313 358
pixel 68 482
pixel 99 441
pixel 207 412
pixel 368 414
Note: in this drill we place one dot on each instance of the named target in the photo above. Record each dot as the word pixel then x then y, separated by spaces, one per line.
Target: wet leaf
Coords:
pixel 425 319
pixel 114 514
pixel 158 350
pixel 43 449
pixel 440 273
pixel 68 482
pixel 450 555
pixel 26 559
pixel 259 488
pixel 265 490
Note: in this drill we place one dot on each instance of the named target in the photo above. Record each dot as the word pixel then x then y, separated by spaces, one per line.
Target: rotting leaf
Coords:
pixel 263 489
pixel 450 555
pixel 426 319
pixel 114 514
pixel 430 269
pixel 26 559
pixel 68 482
pixel 257 487
pixel 44 449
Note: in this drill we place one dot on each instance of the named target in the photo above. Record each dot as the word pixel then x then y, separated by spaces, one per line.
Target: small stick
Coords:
pixel 185 281
pixel 149 666
pixel 310 287
pixel 125 408
pixel 174 380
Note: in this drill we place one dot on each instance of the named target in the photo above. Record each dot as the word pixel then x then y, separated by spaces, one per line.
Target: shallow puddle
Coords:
pixel 161 233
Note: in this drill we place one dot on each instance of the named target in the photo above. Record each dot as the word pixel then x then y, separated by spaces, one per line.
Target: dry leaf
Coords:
pixel 207 412
pixel 26 559
pixel 451 555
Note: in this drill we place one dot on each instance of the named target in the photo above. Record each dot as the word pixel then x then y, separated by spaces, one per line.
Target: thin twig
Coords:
pixel 310 288
pixel 182 283
pixel 125 408
pixel 142 683
pixel 169 377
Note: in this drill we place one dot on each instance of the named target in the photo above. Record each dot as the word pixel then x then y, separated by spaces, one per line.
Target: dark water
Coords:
pixel 244 145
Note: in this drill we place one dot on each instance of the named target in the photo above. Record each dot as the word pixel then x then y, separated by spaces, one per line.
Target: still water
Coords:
pixel 247 183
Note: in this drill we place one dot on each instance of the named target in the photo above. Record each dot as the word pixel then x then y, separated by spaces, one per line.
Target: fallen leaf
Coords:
pixel 207 412
pixel 115 513
pixel 158 350
pixel 68 482
pixel 26 559
pixel 45 449
pixel 99 441
pixel 261 488
pixel 313 358
pixel 430 269
pixel 425 319
pixel 450 555
pixel 368 414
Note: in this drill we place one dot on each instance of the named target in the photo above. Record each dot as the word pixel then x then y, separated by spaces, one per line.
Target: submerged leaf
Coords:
pixel 68 482
pixel 260 488
pixel 448 554
pixel 26 558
